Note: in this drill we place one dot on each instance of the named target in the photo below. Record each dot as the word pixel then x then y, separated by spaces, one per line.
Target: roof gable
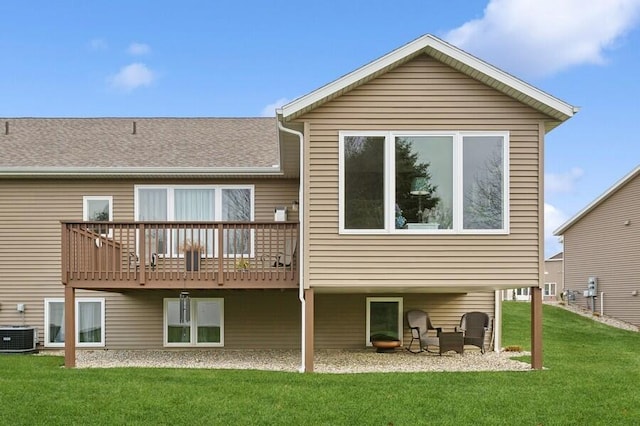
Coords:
pixel 448 54
pixel 598 201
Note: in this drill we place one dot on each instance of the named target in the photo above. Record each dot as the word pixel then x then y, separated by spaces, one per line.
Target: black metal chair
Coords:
pixel 134 261
pixel 474 325
pixel 420 325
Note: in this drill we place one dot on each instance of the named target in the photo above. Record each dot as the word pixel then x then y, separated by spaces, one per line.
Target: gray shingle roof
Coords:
pixel 158 143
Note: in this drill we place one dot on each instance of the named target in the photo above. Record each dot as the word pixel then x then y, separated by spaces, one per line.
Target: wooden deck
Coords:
pixel 179 255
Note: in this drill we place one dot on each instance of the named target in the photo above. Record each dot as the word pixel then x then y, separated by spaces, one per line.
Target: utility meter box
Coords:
pixel 280 214
pixel 592 287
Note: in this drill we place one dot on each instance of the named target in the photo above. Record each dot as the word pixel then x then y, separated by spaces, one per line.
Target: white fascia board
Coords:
pixel 412 48
pixel 561 230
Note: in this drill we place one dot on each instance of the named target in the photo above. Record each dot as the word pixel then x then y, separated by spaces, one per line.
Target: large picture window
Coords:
pixel 196 203
pixel 401 182
pixel 384 318
pixel 90 322
pixel 203 327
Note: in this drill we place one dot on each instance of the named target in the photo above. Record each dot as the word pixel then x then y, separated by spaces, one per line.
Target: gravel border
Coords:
pixel 325 361
pixel 613 322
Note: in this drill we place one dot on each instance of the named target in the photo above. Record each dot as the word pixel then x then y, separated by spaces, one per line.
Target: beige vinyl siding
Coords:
pixel 249 319
pixel 290 155
pixel 340 320
pixel 423 94
pixel 601 245
pixel 30 214
pixel 553 273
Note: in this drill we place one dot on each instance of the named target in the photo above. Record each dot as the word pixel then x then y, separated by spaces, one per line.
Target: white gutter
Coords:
pixel 301 244
pixel 134 171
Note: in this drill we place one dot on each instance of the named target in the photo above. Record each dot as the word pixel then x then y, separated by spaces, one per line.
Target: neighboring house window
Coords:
pixel 204 327
pixel 401 182
pixel 197 203
pixel 90 322
pixel 549 289
pixel 521 293
pixel 98 208
pixel 384 318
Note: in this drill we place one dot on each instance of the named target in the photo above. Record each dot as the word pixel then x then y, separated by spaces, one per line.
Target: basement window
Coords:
pixel 90 322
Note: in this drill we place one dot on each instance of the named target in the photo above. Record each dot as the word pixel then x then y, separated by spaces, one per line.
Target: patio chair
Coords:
pixel 420 325
pixel 134 261
pixel 283 258
pixel 474 326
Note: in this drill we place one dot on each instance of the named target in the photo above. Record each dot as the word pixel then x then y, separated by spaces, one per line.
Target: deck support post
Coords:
pixel 536 328
pixel 309 330
pixel 69 327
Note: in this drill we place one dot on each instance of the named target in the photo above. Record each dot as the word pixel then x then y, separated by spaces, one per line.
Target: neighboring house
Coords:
pixel 553 278
pixel 420 187
pixel 553 283
pixel 601 249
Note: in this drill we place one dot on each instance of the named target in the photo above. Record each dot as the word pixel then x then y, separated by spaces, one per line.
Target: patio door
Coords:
pixel 384 318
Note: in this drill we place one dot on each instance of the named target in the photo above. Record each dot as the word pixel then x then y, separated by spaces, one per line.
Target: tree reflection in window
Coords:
pixel 483 182
pixel 409 167
pixel 364 182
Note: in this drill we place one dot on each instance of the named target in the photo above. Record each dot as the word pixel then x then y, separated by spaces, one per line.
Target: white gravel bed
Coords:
pixel 600 318
pixel 326 361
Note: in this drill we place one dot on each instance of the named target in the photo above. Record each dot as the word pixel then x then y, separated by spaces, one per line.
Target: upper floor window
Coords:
pixel 98 208
pixel 206 203
pixel 449 182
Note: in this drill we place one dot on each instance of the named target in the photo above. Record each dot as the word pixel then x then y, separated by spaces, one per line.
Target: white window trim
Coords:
pixel 217 213
pixel 555 287
pixel 389 183
pixel 193 323
pixel 341 194
pixel 85 207
pixel 78 300
pixel 400 316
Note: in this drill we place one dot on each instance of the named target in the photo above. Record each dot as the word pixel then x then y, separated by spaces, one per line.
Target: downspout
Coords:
pixel 301 244
pixel 497 322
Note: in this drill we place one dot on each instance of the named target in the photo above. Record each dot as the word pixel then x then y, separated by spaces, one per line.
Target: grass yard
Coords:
pixel 591 376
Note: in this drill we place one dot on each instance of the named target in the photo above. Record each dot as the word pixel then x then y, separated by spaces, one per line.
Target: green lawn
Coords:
pixel 591 376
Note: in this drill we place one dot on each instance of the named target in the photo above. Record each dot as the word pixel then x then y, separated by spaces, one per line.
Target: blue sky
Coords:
pixel 205 58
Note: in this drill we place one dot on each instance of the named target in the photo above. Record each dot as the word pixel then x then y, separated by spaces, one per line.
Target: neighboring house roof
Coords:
pixel 448 54
pixel 602 198
pixel 157 146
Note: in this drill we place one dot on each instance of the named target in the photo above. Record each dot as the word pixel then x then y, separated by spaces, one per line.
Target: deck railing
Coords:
pixel 179 254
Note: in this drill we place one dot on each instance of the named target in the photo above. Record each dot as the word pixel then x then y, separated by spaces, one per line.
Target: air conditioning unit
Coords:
pixel 18 339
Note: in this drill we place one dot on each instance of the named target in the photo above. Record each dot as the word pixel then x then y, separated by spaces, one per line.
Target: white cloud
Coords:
pixel 132 76
pixel 562 182
pixel 553 218
pixel 138 49
pixel 98 44
pixel 270 110
pixel 541 37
